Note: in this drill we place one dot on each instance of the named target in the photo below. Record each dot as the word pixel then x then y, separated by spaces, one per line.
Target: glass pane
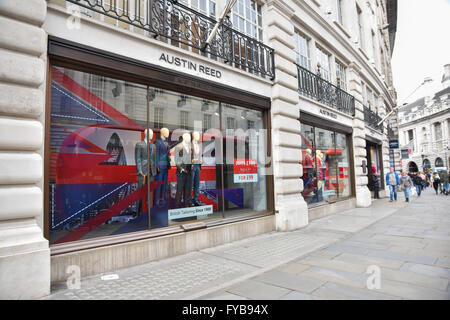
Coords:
pixel 212 8
pixel 203 5
pixel 326 165
pixel 97 184
pixel 244 160
pixel 343 159
pixel 187 185
pixel 308 154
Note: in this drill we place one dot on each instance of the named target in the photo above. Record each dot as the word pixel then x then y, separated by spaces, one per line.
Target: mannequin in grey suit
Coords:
pixel 141 156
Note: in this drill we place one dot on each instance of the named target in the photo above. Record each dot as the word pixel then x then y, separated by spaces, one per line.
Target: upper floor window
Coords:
pixel 369 98
pixel 184 120
pixel 302 51
pixel 374 49
pixel 207 7
pixel 360 28
pixel 341 78
pixel 339 17
pixel 246 17
pixel 324 59
pixel 437 131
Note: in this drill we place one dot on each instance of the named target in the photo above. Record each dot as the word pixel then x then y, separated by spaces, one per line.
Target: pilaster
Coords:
pixel 363 196
pixel 291 209
pixel 24 252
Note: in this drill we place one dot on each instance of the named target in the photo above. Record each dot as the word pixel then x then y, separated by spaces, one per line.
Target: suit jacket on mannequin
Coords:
pixel 162 154
pixel 183 158
pixel 140 153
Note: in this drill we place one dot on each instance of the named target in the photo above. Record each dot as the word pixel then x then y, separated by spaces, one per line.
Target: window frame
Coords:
pixel 67 54
pixel 299 37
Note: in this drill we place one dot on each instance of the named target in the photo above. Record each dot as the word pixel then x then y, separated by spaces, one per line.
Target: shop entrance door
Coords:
pixel 374 164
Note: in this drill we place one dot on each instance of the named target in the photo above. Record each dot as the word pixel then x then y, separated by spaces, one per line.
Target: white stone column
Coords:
pixel 24 252
pixel 291 209
pixel 363 196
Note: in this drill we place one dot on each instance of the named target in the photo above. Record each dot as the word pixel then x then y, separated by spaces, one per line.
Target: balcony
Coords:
pixel 313 86
pixel 371 119
pixel 173 22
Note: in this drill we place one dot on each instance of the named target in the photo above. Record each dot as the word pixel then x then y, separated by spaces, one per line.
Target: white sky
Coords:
pixel 422 46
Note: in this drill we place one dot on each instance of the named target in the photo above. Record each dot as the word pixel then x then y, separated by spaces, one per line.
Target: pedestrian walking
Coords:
pixel 393 181
pixel 406 183
pixel 376 184
pixel 423 181
pixel 436 182
pixel 417 180
pixel 443 174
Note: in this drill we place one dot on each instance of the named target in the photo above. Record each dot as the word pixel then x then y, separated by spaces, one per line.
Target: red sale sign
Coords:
pixel 245 170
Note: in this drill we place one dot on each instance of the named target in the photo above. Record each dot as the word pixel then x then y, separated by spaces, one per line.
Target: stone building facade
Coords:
pixel 80 84
pixel 425 129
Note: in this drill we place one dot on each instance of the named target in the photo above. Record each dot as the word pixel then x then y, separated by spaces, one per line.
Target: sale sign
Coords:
pixel 245 170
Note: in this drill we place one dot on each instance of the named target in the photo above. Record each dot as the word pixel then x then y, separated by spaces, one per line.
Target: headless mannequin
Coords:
pixel 141 159
pixel 196 166
pixel 162 165
pixel 183 160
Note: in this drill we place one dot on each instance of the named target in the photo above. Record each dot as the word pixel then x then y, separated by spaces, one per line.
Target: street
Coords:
pixel 391 250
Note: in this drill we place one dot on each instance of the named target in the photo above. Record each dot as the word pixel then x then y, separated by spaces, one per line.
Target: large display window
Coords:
pixel 126 157
pixel 326 166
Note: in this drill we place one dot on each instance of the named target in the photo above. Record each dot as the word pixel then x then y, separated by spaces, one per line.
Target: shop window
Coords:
pixel 326 165
pixel 110 174
pixel 243 162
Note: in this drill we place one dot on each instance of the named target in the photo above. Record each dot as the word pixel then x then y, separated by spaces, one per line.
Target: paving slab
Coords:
pixel 258 290
pixel 336 276
pixel 369 260
pixel 334 264
pixel 402 256
pixel 332 290
pixel 296 282
pixel 294 295
pixel 434 282
pixel 427 270
pixel 413 292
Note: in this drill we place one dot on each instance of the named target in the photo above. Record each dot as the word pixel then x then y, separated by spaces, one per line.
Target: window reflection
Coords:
pixel 325 160
pixel 128 157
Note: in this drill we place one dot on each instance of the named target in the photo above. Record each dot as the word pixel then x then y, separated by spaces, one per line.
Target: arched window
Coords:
pixel 439 162
pixel 426 163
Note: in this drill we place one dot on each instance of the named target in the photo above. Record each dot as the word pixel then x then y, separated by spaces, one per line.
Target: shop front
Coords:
pixel 326 160
pixel 374 162
pixel 137 151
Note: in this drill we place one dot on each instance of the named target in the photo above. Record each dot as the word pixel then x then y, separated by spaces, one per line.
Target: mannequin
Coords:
pixel 141 158
pixel 162 166
pixel 309 168
pixel 321 175
pixel 196 165
pixel 183 161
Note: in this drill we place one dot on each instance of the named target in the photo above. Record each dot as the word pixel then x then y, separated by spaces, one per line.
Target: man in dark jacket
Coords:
pixel 443 174
pixel 417 183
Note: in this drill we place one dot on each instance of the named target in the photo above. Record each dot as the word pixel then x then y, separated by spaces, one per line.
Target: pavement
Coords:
pixel 391 250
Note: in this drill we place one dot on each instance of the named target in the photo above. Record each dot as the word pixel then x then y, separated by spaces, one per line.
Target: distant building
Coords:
pixel 424 129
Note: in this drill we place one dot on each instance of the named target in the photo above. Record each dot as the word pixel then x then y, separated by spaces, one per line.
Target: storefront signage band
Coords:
pixel 184 63
pixel 328 113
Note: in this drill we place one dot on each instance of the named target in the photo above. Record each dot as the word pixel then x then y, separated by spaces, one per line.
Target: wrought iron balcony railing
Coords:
pixel 187 27
pixel 314 87
pixel 371 119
